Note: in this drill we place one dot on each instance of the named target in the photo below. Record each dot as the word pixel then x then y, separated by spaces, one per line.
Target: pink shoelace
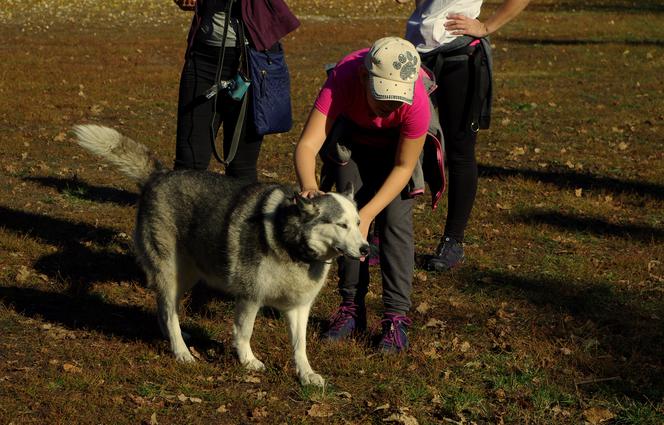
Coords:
pixel 343 315
pixel 393 336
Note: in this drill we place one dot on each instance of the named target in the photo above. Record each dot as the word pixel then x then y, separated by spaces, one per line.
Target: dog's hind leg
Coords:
pixel 297 328
pixel 168 299
pixel 245 316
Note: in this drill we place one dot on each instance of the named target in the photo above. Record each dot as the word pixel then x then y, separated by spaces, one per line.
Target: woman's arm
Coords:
pixel 407 155
pixel 311 141
pixel 463 25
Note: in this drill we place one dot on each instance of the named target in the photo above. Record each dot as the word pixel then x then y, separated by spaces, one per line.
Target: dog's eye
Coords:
pixel 342 225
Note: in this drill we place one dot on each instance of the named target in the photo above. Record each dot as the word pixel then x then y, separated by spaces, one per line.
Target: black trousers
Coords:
pixel 367 170
pixel 196 129
pixel 454 96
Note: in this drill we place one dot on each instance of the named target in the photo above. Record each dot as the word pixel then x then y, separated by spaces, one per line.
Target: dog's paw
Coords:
pixel 254 364
pixel 312 378
pixel 184 357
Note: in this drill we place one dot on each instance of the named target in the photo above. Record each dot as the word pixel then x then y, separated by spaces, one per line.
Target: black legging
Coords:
pixel 454 86
pixel 194 140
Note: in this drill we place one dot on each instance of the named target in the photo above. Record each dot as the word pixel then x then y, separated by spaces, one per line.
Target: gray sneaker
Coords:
pixel 449 255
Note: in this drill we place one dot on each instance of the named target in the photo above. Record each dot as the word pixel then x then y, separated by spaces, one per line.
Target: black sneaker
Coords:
pixel 449 255
pixel 347 320
pixel 394 337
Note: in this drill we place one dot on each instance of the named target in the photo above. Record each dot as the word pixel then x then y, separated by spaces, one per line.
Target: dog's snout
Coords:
pixel 364 249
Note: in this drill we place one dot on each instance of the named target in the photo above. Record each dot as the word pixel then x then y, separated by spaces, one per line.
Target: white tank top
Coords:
pixel 425 28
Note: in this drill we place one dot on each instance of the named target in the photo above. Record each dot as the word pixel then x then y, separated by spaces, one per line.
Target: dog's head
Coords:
pixel 331 226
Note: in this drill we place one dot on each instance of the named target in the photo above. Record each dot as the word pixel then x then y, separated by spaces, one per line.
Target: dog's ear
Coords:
pixel 306 206
pixel 349 191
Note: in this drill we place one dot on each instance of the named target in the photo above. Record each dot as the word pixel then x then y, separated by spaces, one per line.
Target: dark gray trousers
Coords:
pixel 367 170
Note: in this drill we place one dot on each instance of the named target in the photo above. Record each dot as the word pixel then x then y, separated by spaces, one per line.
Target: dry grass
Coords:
pixel 558 316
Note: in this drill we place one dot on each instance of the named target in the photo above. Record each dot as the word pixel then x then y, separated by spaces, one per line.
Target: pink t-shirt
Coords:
pixel 344 94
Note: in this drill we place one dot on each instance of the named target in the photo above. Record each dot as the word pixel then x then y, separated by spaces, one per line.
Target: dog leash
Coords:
pixel 220 84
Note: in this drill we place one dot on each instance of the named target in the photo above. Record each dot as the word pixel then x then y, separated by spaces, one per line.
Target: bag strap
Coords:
pixel 476 100
pixel 236 135
pixel 239 124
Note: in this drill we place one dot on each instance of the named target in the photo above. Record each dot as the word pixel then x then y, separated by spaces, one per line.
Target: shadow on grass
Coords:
pixel 628 331
pixel 90 312
pixel 76 262
pixel 596 226
pixel 82 190
pixel 578 42
pixel 623 6
pixel 87 312
pixel 573 179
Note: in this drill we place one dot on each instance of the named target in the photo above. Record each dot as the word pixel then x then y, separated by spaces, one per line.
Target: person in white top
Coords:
pixel 452 43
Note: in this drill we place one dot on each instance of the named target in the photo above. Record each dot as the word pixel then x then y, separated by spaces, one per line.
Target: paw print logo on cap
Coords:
pixel 406 65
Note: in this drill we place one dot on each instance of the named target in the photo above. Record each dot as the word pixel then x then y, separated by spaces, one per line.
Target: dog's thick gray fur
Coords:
pixel 258 242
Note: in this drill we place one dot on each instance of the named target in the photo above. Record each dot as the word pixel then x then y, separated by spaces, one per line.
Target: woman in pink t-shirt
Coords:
pixel 375 104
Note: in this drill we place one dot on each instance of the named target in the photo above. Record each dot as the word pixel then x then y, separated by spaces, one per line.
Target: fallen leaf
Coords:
pixel 423 307
pixel 344 394
pixel 518 151
pixel 382 407
pixel 431 352
pixel 153 419
pixel 402 417
pixel 597 415
pixel 96 109
pixel 320 410
pixel 434 323
pixel 222 409
pixel 60 137
pixel 23 274
pixel 269 174
pixel 70 368
pixel 137 399
pixel 578 192
pixel 259 412
pixel 195 353
pixel 251 379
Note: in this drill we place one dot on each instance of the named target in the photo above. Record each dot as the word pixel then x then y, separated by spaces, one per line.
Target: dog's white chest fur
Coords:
pixel 287 284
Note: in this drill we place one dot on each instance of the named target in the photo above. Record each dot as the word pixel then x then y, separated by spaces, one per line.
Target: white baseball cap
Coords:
pixel 394 66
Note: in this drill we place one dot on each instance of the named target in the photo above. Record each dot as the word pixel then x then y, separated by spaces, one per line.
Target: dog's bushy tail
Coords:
pixel 132 158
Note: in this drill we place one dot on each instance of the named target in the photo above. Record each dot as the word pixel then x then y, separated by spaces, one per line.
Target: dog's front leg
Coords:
pixel 297 327
pixel 245 316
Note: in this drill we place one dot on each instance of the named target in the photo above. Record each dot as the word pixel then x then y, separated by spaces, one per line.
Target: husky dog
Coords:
pixel 260 242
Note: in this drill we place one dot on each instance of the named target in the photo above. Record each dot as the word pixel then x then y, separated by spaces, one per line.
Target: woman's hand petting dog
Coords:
pixel 311 193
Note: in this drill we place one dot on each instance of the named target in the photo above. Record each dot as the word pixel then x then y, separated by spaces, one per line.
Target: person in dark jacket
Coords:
pixel 200 113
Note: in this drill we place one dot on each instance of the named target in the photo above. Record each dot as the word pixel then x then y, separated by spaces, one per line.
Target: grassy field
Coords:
pixel 557 316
